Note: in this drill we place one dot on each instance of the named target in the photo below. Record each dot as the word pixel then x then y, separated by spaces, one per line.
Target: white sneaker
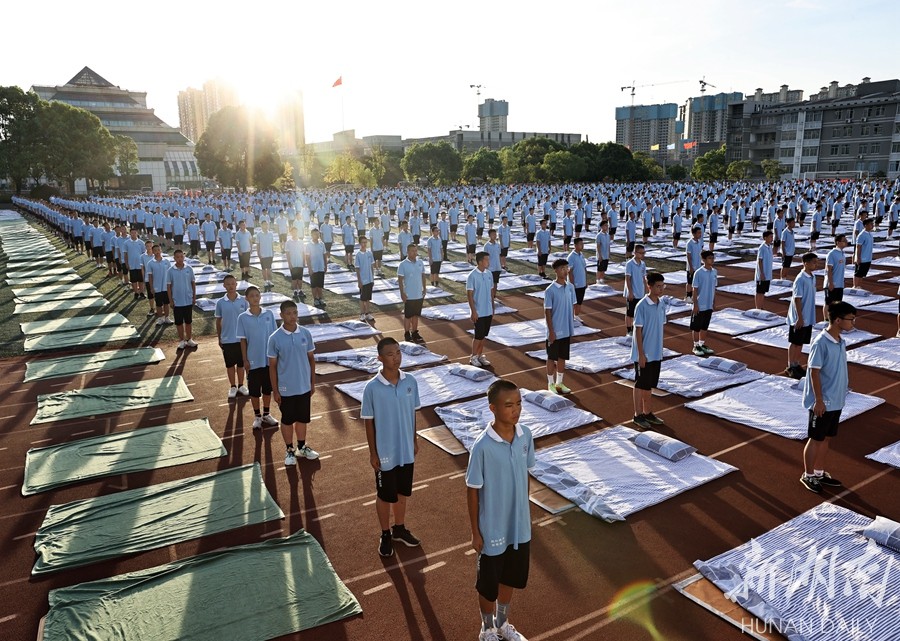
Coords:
pixel 307 452
pixel 269 421
pixel 362 317
pixel 488 635
pixel 190 342
pixel 290 458
pixel 484 361
pixel 243 391
pixel 257 423
pixel 160 321
pixel 181 345
pixel 169 321
pixel 508 633
pixel 369 317
pixel 474 361
pixel 232 393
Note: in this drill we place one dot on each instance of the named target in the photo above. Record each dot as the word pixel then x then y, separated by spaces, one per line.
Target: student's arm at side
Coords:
pixel 312 372
pixel 470 295
pixel 829 268
pixel 400 279
pixel 798 304
pixel 816 379
pixel 219 333
pixel 639 341
pixel 472 501
pixel 629 285
pixel 548 317
pixel 374 460
pixel 273 375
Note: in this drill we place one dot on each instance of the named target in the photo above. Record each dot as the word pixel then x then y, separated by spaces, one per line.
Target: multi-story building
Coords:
pixel 646 127
pixel 708 116
pixel 195 106
pixel 492 115
pixel 840 132
pixel 738 134
pixel 165 156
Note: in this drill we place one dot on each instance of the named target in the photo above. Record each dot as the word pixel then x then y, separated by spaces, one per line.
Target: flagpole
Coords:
pixel 342 109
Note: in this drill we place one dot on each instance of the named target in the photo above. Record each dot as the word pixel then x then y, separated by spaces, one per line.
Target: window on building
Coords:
pixel 787 152
pixel 877 130
pixel 836 132
pixel 789 135
pixel 844 150
pixel 879 110
pixel 788 119
pixel 813 116
pixel 875 147
pixel 833 150
pixel 864 130
pixel 812 134
pixel 839 114
pixel 894 166
pixel 843 166
pixel 810 150
pixel 850 114
pixel 895 148
pixel 864 148
pixel 897 128
pixel 867 112
pixel 808 168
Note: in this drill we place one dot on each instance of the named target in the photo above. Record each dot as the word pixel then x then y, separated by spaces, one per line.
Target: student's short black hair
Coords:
pixel 839 309
pixel 604 222
pixel 655 277
pixel 560 262
pixel 286 305
pixel 251 288
pixel 227 276
pixel 840 237
pixel 155 246
pixel 809 257
pixel 639 246
pixel 386 342
pixel 578 240
pixel 869 221
pixel 498 387
pixel 433 227
pixel 479 256
pixel 768 233
pixel 707 254
pixel 178 251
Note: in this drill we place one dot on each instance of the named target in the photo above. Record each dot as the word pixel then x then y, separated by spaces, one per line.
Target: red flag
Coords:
pixel 690 144
pixel 338 82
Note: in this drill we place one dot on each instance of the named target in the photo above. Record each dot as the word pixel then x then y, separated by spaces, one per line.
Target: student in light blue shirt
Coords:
pixel 705 283
pixel 265 250
pixel 365 278
pixel 862 253
pixel 635 285
pixel 292 373
pixel 499 513
pixel 503 234
pixel 647 349
pixel 404 238
pixel 559 302
pixel 470 231
pixel 763 272
pixel 603 242
pixel 494 252
pixel 228 309
pixel 389 405
pixel 435 254
pixel 411 278
pixel 254 327
pixel 244 242
pixel 480 292
pixel 692 258
pixel 156 270
pixel 295 253
pixel 835 264
pixel 801 314
pixel 182 290
pixel 825 389
pixel 543 237
pixel 578 275
pixel 788 246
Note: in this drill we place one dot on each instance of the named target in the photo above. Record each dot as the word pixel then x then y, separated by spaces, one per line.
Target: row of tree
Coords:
pixel 53 141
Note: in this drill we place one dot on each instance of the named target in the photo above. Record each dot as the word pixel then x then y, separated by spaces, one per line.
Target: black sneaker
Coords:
pixel 386 547
pixel 654 419
pixel 829 480
pixel 811 483
pixel 301 294
pixel 641 421
pixel 417 338
pixel 400 533
pixel 407 337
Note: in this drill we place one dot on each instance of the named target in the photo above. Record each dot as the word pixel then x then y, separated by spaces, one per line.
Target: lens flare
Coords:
pixel 632 602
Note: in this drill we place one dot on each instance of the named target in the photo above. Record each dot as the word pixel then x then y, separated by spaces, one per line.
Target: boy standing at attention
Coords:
pixel 411 278
pixel 693 259
pixel 389 405
pixel 315 265
pixel 435 254
pixel 787 247
pixel 182 290
pixel 365 278
pixel 647 349
pixel 835 263
pixel 602 250
pixel 292 373
pixel 824 393
pixel 254 327
pixel 635 285
pixel 499 514
pixel 578 275
pixel 559 302
pixel 156 270
pixel 763 273
pixel 228 309
pixel 480 293
pixel 862 252
pixel 542 238
pixel 705 281
pixel 801 314
pixel 294 251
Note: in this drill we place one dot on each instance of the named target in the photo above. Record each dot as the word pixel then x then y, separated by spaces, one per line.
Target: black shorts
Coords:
pixel 296 273
pixel 470 249
pixel 435 267
pixel 225 252
pixel 821 427
pixel 365 292
pixel 700 320
pixel 282 239
pixel 183 315
pixel 762 286
pixel 801 336
pixel 393 482
pixel 265 262
pixel 496 276
pixel 542 259
pixel 567 240
pixel 168 235
pixel 328 247
pixel 676 236
pixel 892 225
pixel 834 295
pixel 378 254
pixel 714 238
pixel 786 261
pixel 244 260
pixel 559 349
pixel 210 246
pixel 690 277
pixel 647 232
pixel 479 231
pixel 161 298
pixel 295 409
pixel 731 229
pixel 135 276
pixel 814 235
pixel 412 307
pixel 179 239
pixel 482 327
pixel 509 569
pixel 109 257
pixel 612 232
pixel 195 247
pixel 740 227
pixel 647 378
pixel 552 226
pixel 416 239
pixel 348 249
pixel 150 295
pixel 97 252
pixel 579 295
pixel 578 227
pixel 317 280
pixel 504 251
pixel 631 304
pixel 629 246
pixel 453 228
pixel 603 265
pixel 530 237
pixel 231 352
pixel 776 244
pixel 258 382
pixel 861 269
pixel 655 225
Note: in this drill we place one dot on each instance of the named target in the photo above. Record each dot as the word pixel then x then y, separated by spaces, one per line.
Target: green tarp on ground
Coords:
pixel 52 260
pixel 59 295
pixel 96 362
pixel 62 340
pixel 20 292
pixel 60 305
pixel 109 399
pixel 147 448
pixel 43 280
pixel 106 527
pixel 40 271
pixel 73 324
pixel 251 593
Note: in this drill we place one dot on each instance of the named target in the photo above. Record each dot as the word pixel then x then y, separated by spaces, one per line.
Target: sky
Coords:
pixel 407 67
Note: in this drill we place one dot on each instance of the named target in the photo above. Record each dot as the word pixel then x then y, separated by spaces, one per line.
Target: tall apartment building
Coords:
pixel 644 126
pixel 195 106
pixel 708 116
pixel 840 132
pixel 492 115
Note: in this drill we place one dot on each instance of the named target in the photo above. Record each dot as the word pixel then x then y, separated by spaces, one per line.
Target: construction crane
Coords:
pixel 632 87
pixel 704 85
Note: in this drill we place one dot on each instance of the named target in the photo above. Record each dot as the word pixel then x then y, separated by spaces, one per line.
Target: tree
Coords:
pixel 772 169
pixel 646 167
pixel 530 156
pixel 483 165
pixel 615 162
pixel 239 149
pixel 286 181
pixel 512 171
pixel 676 172
pixel 74 144
pixel 385 166
pixel 18 135
pixel 590 153
pixel 347 169
pixel 739 169
pixel 311 168
pixel 563 166
pixel 710 166
pixel 126 159
pixel 438 164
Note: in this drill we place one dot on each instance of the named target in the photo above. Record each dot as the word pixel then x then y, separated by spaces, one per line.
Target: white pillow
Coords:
pixel 470 372
pixel 548 400
pixel 760 314
pixel 884 532
pixel 722 364
pixel 665 446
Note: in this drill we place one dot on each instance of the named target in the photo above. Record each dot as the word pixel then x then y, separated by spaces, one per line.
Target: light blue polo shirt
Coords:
pixel 499 471
pixel 404 240
pixel 256 331
pixel 705 281
pixel 365 262
pixel 134 249
pixel 292 350
pixel 228 311
pixel 578 269
pixel 481 283
pixel 393 409
pixel 542 238
pixel 787 242
pixel 266 244
pixel 559 299
pixel 242 239
pixel 602 246
pixel 865 242
pixel 316 252
pixel 692 255
pixel 435 249
pixel 411 272
pixel 376 238
pixel 294 251
pixel 764 256
pixel 637 273
pixel 493 252
pixel 471 236
pixel 210 231
pixel 225 238
pixel 829 356
pixel 805 289
pixel 180 280
pixel 836 259
pixel 158 270
pixel 650 317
